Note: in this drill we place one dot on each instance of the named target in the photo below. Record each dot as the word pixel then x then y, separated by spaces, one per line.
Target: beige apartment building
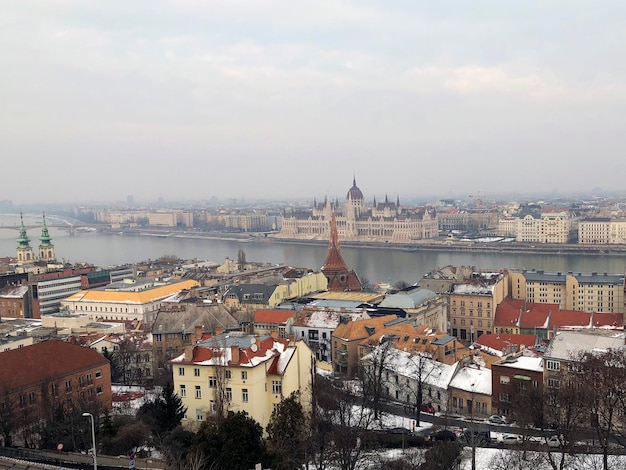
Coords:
pixel 551 227
pixel 473 302
pixel 240 372
pixel 587 292
pixel 602 231
pixel 153 218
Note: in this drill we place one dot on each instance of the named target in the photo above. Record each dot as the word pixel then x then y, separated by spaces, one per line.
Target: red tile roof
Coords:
pixel 46 360
pixel 615 320
pixel 500 342
pixel 571 318
pixel 278 317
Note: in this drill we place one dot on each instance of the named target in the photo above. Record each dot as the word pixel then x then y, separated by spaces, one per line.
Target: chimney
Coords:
pixel 234 354
pixel 188 353
pixel 198 330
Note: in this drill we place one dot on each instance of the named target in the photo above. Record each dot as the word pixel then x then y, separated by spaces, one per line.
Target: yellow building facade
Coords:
pixel 240 372
pixel 586 292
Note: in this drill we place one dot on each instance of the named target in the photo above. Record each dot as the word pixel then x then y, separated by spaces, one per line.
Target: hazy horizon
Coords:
pixel 242 100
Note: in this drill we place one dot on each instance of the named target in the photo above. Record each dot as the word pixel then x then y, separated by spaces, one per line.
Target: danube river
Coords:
pixel 376 264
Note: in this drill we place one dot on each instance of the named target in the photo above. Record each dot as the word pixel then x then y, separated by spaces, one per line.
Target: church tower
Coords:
pixel 24 250
pixel 46 248
pixel 339 277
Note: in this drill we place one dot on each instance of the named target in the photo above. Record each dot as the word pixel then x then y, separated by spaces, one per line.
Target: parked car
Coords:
pixel 510 439
pixel 399 430
pixel 495 419
pixel 428 408
pixel 554 441
pixel 443 435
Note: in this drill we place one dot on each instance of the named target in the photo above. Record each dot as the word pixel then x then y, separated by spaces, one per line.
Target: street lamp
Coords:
pixel 93 439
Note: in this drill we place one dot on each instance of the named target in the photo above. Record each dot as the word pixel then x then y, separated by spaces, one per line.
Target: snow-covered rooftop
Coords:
pixel 473 379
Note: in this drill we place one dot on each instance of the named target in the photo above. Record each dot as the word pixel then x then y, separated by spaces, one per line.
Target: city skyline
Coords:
pixel 189 101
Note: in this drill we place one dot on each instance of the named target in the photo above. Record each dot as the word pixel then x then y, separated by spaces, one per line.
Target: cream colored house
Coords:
pixel 240 372
pixel 551 227
pixel 602 231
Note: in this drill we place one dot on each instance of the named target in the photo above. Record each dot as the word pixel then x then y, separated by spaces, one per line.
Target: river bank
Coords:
pixel 445 245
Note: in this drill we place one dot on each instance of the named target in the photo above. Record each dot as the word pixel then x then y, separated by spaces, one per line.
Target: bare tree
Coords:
pixel 374 371
pixel 340 425
pixel 604 382
pixel 565 412
pixel 422 367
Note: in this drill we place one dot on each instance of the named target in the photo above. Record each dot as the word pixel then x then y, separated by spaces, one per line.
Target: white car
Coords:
pixel 554 441
pixel 495 419
pixel 510 439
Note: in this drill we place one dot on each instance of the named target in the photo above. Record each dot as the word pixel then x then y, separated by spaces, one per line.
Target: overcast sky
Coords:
pixel 189 99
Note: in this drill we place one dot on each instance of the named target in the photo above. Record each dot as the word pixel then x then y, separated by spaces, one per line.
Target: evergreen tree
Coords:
pixel 164 413
pixel 235 444
pixel 287 434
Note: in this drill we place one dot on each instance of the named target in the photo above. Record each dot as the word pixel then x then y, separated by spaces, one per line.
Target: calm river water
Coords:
pixel 376 264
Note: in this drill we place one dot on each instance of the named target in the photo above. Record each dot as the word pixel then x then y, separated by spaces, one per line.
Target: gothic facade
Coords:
pixel 381 221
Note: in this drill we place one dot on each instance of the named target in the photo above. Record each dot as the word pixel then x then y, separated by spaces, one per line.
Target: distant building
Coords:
pixel 554 226
pixel 602 231
pixel 382 221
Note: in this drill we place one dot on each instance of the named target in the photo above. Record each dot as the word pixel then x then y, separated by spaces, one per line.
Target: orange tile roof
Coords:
pixel 355 330
pixel 142 297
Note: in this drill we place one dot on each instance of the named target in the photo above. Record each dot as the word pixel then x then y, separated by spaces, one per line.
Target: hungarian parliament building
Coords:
pixel 383 221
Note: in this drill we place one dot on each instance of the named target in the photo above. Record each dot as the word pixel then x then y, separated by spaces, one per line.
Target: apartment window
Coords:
pixel 31 397
pixel 196 372
pixel 68 385
pixel 99 389
pixel 229 394
pixel 181 371
pixel 198 391
pixel 553 365
pixel 554 383
pixel 505 398
pixel 277 387
pixel 244 375
pixel 227 373
pixel 212 382
pixel 199 415
pixel 89 378
pixel 244 395
pixel 505 379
